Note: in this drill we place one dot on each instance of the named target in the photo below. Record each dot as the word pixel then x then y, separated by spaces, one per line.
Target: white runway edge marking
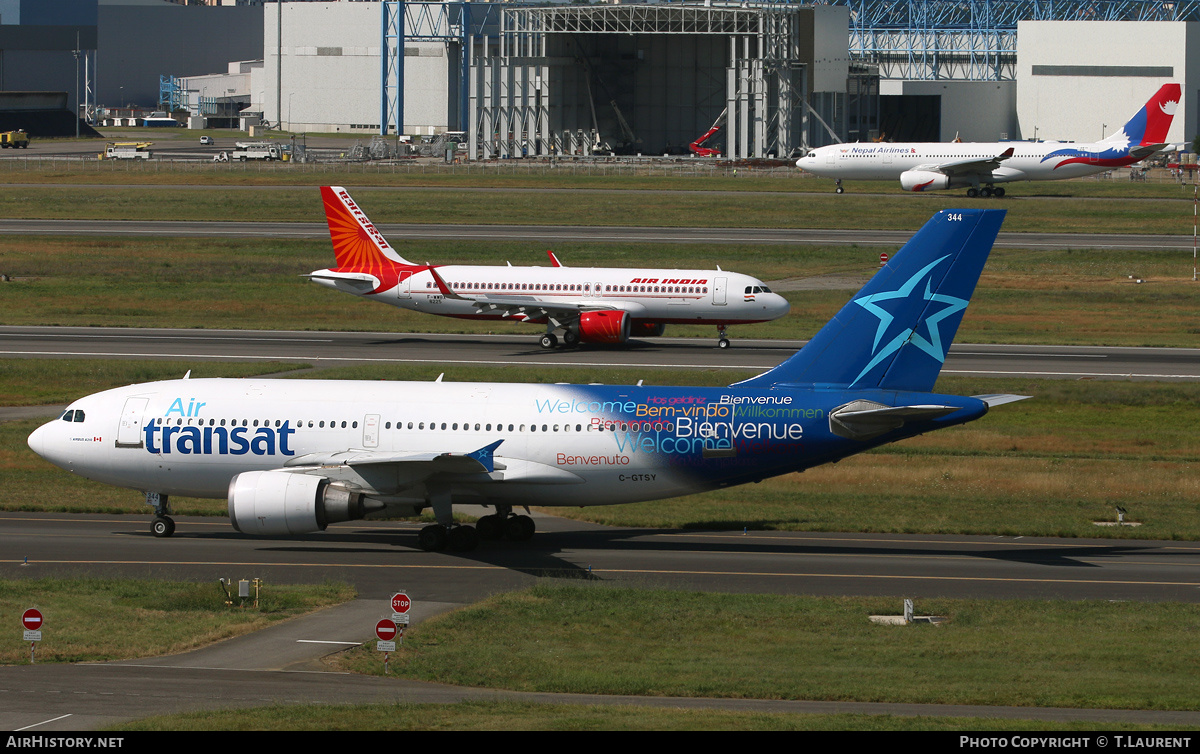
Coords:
pixel 44 722
pixel 1015 373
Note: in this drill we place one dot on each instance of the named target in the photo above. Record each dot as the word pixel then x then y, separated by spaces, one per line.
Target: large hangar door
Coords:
pixel 910 117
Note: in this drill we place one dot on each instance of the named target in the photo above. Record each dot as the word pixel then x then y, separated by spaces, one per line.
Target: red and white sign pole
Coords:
pixel 31 621
pixel 386 631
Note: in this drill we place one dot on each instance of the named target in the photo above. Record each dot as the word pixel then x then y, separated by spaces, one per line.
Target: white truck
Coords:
pixel 128 150
pixel 257 150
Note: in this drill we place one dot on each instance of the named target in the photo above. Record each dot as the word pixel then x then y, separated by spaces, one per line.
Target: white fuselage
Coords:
pixel 1030 161
pixel 562 444
pixel 659 296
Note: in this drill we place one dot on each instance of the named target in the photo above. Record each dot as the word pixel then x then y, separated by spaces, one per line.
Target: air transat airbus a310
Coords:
pixel 979 166
pixel 585 304
pixel 293 456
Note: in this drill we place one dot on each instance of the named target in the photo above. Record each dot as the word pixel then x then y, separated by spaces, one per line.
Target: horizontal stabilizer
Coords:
pixel 999 399
pixel 863 420
pixel 1145 151
pixel 360 281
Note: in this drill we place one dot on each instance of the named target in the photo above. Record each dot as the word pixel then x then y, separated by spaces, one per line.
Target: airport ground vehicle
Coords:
pixel 16 139
pixel 128 150
pixel 256 150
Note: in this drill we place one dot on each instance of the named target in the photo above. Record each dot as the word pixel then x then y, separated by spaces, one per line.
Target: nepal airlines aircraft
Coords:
pixel 293 456
pixel 934 166
pixel 589 305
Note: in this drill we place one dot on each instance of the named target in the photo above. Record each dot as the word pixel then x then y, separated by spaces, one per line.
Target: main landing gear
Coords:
pixel 447 535
pixel 464 537
pixel 162 525
pixel 986 192
pixel 570 339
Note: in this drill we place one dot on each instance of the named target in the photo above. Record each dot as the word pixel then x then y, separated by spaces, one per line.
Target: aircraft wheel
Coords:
pixel 490 527
pixel 839 190
pixel 162 526
pixel 432 538
pixel 519 528
pixel 462 539
pixel 549 340
pixel 972 192
pixel 985 192
pixel 998 193
pixel 723 343
pixel 570 338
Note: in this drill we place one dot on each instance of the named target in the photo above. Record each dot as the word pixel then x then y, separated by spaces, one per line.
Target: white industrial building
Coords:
pixel 1081 80
pixel 322 71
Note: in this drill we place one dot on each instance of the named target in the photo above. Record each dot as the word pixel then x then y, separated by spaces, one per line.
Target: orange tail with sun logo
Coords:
pixel 357 244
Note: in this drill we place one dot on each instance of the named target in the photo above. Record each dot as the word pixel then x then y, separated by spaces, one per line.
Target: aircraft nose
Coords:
pixel 37 440
pixel 779 305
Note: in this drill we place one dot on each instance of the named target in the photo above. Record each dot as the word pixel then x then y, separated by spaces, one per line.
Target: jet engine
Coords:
pixel 279 502
pixel 647 329
pixel 924 180
pixel 604 327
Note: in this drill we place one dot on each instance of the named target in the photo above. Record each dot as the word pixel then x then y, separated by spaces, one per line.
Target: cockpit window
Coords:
pixel 73 416
pixel 68 416
pixel 78 415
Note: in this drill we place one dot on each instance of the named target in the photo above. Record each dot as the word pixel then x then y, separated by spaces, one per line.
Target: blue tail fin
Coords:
pixel 895 333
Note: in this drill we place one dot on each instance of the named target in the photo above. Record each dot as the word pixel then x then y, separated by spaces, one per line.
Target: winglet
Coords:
pixel 441 284
pixel 553 259
pixel 484 456
pixel 1007 153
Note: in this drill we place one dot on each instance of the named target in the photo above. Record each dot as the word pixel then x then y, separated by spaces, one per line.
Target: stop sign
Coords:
pixel 31 619
pixel 385 630
pixel 400 602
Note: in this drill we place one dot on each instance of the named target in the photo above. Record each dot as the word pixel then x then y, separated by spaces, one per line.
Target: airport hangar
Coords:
pixel 791 75
pixel 650 78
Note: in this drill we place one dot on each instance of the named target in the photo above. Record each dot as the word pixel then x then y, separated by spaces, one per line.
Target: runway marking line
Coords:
pixel 44 722
pixel 639 571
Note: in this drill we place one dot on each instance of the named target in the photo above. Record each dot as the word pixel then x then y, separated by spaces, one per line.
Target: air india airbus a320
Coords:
pixel 585 304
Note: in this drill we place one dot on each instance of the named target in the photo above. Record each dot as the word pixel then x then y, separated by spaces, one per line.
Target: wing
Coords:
pixel 527 308
pixel 974 166
pixel 391 473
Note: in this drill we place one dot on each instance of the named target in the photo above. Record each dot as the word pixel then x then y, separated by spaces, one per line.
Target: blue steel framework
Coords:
pixel 450 23
pixel 975 40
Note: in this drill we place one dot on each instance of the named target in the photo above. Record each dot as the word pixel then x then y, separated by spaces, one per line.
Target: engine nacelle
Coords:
pixel 924 180
pixel 270 503
pixel 646 329
pixel 604 327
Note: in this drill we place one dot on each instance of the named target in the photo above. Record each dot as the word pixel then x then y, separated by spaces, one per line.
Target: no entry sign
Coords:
pixel 385 630
pixel 31 619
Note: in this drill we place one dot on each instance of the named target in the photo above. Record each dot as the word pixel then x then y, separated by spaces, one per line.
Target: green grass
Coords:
pixel 37 382
pixel 1070 296
pixel 521 716
pixel 599 639
pixel 93 620
pixel 715 209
